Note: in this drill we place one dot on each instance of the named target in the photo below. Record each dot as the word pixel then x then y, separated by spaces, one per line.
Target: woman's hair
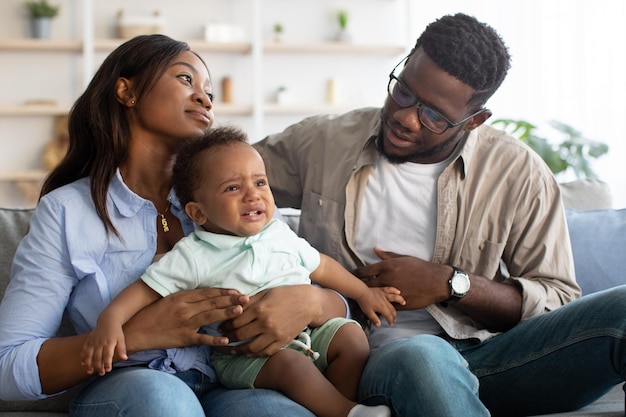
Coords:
pixel 99 129
pixel 187 171
pixel 469 50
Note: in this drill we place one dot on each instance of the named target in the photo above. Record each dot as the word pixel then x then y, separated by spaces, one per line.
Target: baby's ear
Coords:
pixel 195 213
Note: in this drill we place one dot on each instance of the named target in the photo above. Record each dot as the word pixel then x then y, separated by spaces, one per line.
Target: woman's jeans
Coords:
pixel 144 392
pixel 556 362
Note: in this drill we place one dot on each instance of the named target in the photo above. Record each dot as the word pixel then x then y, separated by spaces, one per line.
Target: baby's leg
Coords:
pixel 295 375
pixel 347 353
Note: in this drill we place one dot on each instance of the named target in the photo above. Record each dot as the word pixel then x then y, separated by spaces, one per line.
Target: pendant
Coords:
pixel 166 227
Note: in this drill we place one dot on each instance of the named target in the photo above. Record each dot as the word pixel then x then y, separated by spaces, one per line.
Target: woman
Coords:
pixel 105 213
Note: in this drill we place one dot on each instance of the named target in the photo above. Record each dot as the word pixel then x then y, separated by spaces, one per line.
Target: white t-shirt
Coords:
pixel 407 227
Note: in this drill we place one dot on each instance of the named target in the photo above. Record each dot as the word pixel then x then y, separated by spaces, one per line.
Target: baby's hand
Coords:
pixel 378 300
pixel 100 346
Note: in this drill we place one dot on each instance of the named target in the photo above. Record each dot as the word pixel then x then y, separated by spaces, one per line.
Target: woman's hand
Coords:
pixel 278 315
pixel 174 321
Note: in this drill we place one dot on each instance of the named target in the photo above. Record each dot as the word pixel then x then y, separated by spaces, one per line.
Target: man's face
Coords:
pixel 403 137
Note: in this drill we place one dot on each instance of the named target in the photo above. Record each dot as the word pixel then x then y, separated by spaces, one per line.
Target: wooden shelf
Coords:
pixel 55 110
pixel 34 110
pixel 281 109
pixel 232 109
pixel 40 45
pixel 33 175
pixel 106 45
pixel 330 48
pixel 27 182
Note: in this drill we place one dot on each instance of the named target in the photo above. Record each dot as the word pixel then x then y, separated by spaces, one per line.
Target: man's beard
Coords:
pixel 416 156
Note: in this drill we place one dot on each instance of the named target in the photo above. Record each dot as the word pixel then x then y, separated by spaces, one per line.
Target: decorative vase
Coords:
pixel 343 35
pixel 41 27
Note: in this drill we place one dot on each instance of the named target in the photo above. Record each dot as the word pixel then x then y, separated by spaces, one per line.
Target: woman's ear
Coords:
pixel 124 92
pixel 194 211
pixel 477 120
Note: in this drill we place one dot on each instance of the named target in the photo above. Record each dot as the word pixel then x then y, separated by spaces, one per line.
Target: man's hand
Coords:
pixel 496 305
pixel 421 283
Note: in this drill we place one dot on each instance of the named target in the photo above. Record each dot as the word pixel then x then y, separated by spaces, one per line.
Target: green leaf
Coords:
pixel 573 152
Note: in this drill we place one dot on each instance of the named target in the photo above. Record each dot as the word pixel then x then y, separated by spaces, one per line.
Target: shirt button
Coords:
pixel 319 202
pixel 481 246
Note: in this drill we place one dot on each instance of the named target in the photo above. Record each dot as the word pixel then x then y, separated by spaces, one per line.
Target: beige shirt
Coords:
pixel 499 207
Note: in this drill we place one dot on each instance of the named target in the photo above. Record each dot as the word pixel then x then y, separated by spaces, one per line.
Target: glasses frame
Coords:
pixel 421 107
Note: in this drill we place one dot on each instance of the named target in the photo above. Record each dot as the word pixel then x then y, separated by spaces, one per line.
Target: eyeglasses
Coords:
pixel 429 118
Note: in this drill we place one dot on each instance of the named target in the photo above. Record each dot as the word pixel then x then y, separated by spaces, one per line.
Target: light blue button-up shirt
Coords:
pixel 67 264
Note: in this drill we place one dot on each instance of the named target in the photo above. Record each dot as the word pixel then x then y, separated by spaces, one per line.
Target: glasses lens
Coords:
pixel 429 118
pixel 432 120
pixel 400 94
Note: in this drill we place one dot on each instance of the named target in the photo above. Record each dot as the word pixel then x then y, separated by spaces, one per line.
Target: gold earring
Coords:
pixel 132 102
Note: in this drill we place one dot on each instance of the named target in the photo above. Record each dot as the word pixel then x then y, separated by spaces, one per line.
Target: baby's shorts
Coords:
pixel 240 371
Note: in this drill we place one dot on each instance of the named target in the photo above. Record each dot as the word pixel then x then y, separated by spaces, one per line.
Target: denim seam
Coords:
pixel 545 352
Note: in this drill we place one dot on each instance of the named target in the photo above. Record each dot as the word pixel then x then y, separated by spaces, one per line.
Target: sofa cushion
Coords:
pixel 13 224
pixel 598 240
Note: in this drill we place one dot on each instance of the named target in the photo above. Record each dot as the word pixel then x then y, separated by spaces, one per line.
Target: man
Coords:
pixel 468 223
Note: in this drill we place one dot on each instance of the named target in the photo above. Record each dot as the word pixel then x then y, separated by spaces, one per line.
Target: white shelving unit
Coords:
pixel 259 64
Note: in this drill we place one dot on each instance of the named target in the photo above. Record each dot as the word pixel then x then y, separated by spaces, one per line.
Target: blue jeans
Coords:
pixel 144 392
pixel 555 362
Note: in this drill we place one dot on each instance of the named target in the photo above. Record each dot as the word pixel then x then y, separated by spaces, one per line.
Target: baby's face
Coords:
pixel 235 196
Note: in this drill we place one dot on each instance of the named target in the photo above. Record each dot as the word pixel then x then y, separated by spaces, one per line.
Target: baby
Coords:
pixel 221 182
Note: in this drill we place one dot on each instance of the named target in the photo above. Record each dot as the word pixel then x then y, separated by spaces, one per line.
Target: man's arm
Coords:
pixel 497 305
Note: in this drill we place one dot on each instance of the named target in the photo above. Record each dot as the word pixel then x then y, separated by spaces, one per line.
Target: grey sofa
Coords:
pixel 598 235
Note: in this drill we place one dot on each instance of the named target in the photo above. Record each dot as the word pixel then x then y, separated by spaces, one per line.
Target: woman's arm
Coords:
pixel 107 339
pixel 46 280
pixel 170 322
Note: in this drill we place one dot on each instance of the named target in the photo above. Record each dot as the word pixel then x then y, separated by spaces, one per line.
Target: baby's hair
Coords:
pixel 186 175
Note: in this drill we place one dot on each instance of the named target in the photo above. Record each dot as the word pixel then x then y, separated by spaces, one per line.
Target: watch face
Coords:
pixel 460 283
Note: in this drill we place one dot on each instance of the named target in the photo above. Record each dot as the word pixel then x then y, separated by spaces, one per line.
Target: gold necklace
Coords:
pixel 166 227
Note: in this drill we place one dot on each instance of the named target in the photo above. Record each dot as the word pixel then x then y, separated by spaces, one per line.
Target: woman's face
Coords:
pixel 179 106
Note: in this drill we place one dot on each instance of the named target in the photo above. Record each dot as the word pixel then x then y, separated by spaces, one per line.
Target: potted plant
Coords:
pixel 41 13
pixel 278 32
pixel 342 19
pixel 574 152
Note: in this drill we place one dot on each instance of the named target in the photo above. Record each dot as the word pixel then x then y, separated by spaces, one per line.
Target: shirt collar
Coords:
pixel 125 201
pixel 369 154
pixel 465 151
pixel 129 204
pixel 225 242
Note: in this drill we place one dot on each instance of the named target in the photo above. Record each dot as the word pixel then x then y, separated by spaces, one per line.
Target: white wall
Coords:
pixel 568 61
pixel 568 65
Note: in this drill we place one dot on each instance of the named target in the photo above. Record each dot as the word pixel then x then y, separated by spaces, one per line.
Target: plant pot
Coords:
pixel 41 27
pixel 344 36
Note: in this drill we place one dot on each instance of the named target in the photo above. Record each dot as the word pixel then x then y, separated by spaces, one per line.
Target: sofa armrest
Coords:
pixel 586 194
pixel 598 240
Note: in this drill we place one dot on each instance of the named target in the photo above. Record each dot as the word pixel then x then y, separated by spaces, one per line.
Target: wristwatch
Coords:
pixel 459 286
